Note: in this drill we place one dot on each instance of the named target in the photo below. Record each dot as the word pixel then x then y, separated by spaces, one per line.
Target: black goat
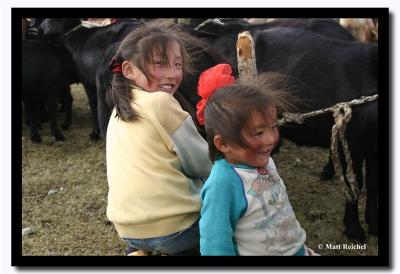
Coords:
pixel 88 47
pixel 47 72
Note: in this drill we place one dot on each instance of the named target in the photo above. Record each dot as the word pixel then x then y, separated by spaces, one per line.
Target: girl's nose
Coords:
pixel 172 72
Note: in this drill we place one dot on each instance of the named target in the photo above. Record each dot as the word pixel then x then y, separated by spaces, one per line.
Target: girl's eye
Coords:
pixel 178 65
pixel 159 62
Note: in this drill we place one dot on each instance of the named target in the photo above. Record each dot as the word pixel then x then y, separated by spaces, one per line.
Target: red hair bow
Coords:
pixel 115 65
pixel 209 81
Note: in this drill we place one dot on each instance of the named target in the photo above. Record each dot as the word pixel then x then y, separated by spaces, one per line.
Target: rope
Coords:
pixel 299 117
pixel 342 114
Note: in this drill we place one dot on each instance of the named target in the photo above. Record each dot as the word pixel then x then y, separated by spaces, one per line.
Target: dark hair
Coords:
pixel 229 109
pixel 137 47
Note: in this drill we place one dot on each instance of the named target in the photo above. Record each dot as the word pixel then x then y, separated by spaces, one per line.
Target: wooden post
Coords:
pixel 246 58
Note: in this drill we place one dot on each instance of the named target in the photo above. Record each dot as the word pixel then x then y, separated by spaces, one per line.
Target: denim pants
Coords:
pixel 182 243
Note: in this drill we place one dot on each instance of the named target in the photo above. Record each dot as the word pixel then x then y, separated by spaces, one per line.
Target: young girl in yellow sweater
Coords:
pixel 156 160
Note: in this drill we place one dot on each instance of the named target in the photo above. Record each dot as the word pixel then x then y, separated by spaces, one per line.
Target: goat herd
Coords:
pixel 327 60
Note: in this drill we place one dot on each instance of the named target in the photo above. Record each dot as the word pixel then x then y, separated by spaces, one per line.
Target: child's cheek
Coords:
pixel 256 146
pixel 277 138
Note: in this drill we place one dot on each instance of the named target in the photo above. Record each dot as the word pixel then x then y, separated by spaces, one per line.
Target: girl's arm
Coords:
pixel 223 205
pixel 192 150
pixel 180 134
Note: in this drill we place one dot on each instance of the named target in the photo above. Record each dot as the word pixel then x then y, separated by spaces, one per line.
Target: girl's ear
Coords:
pixel 221 145
pixel 129 70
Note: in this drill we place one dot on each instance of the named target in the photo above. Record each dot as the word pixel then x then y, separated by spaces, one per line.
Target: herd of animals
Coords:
pixel 326 60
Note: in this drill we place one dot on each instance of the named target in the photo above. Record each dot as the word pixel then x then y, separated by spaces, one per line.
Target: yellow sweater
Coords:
pixel 156 167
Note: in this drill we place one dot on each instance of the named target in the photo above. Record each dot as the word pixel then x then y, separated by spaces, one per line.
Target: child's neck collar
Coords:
pixel 136 87
pixel 245 166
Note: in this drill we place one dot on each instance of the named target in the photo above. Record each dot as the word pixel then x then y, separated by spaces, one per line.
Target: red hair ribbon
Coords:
pixel 117 68
pixel 209 81
pixel 114 65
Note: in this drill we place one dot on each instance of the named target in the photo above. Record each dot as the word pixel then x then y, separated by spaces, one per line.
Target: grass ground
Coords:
pixel 72 221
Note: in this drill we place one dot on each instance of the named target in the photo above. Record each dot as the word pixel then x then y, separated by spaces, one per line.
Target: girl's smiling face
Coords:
pixel 261 136
pixel 164 75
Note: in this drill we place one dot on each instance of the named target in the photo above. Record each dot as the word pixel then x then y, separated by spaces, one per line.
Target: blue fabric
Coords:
pixel 224 203
pixel 301 252
pixel 181 243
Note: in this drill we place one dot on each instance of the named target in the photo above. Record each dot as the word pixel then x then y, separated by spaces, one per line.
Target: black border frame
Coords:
pixel 385 67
